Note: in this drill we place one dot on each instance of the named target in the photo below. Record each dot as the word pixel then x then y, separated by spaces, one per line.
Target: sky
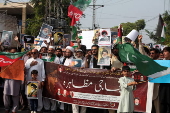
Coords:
pixel 115 12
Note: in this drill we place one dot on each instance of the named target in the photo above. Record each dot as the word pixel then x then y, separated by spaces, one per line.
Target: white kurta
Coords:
pixel 41 76
pixel 39 67
pixel 68 61
pixel 126 103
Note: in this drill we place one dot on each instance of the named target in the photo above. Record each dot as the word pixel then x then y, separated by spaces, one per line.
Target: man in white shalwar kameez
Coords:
pixel 34 63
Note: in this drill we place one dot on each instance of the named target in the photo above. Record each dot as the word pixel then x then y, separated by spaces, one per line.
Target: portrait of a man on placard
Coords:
pixel 6 38
pixel 104 56
pixel 32 90
pixel 45 31
pixel 105 36
pixel 58 38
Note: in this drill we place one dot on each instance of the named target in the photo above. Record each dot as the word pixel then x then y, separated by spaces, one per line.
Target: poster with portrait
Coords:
pixel 76 63
pixel 32 89
pixel 58 38
pixel 96 36
pixel 157 46
pixel 67 39
pixel 113 37
pixel 28 46
pixel 6 38
pixel 105 37
pixel 45 31
pixel 104 55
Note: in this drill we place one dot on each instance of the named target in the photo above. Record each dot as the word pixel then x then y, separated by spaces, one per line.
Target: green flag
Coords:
pixel 74 33
pixel 144 64
pixel 82 4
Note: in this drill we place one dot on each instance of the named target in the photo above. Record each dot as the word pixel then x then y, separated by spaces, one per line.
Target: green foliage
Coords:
pixel 158 40
pixel 34 24
pixel 128 27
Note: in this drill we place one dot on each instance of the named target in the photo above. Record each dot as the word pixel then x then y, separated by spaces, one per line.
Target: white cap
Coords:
pixel 70 48
pixel 51 47
pixel 79 50
pixel 133 35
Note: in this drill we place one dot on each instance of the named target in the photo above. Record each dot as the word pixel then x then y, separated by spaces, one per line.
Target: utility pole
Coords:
pixel 94 7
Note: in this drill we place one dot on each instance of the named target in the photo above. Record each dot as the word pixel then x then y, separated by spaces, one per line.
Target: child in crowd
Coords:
pixel 126 103
pixel 32 95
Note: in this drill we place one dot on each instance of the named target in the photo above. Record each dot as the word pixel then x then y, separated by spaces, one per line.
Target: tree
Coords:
pixel 34 24
pixel 128 27
pixel 152 34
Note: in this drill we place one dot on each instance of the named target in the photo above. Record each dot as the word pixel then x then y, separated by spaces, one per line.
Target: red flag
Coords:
pixel 74 13
pixel 120 33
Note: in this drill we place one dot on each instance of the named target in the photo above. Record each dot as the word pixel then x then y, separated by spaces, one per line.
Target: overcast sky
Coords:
pixel 115 12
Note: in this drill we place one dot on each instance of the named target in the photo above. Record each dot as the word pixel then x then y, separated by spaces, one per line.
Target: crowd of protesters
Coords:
pixel 14 98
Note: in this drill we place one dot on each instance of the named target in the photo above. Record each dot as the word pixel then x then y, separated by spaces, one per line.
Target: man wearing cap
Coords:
pixel 79 55
pixel 67 62
pixel 35 63
pixel 69 55
pixel 51 58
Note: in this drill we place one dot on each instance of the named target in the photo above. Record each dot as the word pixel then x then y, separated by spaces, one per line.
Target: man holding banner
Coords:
pixel 11 89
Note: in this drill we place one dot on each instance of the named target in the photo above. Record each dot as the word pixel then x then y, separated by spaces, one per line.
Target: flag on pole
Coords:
pixel 74 45
pixel 9 58
pixel 74 33
pixel 163 36
pixel 144 64
pixel 119 35
pixel 161 29
pixel 76 9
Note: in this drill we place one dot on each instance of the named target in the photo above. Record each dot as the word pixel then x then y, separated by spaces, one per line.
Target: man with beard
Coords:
pixel 59 55
pixel 44 33
pixel 50 58
pixel 6 40
pixel 79 55
pixel 91 62
pixel 67 62
pixel 69 55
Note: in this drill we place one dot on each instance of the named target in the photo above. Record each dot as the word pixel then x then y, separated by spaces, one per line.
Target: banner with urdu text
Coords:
pixel 98 88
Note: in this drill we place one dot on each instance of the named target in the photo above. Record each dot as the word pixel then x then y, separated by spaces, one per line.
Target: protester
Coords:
pixel 34 63
pixel 126 103
pixel 164 88
pixel 79 55
pixel 161 55
pixel 34 102
pixel 154 54
pixel 63 52
pixel 91 62
pixel 11 92
pixel 59 55
pixel 50 104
